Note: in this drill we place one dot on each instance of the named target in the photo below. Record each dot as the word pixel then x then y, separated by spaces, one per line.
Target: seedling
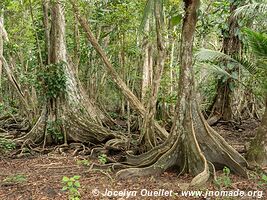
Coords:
pixel 71 185
pixel 263 181
pixel 224 180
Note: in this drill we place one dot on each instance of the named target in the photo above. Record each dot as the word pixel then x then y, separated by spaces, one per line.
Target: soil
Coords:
pixel 39 177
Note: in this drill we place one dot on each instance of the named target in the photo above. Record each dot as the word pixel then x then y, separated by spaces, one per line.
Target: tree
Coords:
pixel 2 37
pixel 222 103
pixel 192 146
pixel 148 136
pixel 67 110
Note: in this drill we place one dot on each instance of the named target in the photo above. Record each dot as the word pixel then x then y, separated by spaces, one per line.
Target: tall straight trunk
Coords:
pixel 123 70
pixel 222 103
pixel 77 54
pixel 193 146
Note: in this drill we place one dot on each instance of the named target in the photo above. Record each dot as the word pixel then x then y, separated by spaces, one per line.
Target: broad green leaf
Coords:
pixel 65 179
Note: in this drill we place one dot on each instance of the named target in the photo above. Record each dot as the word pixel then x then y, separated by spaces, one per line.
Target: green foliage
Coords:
pixel 18 178
pixel 53 80
pixel 6 145
pixel 258 43
pixel 224 180
pixel 252 9
pixel 54 129
pixel 102 158
pixel 263 181
pixel 71 185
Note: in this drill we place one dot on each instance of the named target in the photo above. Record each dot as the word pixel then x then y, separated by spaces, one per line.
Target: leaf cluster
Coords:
pixel 72 185
pixel 53 80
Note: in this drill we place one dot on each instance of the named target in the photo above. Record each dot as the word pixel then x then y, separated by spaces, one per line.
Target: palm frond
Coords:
pixel 218 70
pixel 258 43
pixel 251 9
pixel 207 55
pixel 246 63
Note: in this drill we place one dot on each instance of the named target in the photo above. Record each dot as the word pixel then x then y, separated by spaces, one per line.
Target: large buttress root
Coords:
pixel 197 149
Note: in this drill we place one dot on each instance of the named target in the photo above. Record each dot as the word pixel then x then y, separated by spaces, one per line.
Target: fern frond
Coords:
pixel 218 70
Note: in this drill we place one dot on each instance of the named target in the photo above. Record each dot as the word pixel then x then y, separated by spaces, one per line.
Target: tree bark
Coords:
pixel 147 72
pixel 148 136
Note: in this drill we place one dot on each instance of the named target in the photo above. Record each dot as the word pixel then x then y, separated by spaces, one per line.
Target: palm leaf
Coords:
pixel 211 55
pixel 208 55
pixel 258 43
pixel 251 9
pixel 218 70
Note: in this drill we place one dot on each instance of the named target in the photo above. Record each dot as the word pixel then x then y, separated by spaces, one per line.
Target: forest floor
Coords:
pixel 39 177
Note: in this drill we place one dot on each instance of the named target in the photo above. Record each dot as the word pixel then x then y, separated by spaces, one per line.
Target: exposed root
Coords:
pixel 197 149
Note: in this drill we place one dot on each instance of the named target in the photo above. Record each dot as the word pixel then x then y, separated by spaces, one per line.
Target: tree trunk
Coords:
pixel 46 30
pixel 148 136
pixel 222 103
pixel 147 65
pixel 192 146
pixel 257 153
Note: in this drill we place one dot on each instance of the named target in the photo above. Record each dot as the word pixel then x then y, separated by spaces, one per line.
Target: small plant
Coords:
pixel 18 178
pixel 6 145
pixel 102 159
pixel 224 180
pixel 84 162
pixel 263 181
pixel 72 185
